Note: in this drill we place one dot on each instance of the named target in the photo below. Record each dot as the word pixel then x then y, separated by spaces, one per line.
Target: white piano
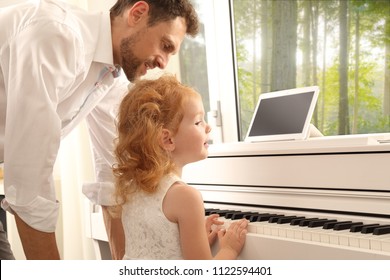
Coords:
pixel 340 181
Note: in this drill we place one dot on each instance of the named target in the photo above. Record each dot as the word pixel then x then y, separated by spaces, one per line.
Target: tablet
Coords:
pixel 283 115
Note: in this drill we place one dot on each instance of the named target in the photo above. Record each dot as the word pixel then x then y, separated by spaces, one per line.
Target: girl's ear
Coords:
pixel 137 12
pixel 166 140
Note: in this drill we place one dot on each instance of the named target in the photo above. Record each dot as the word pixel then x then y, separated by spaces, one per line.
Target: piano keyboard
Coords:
pixel 274 235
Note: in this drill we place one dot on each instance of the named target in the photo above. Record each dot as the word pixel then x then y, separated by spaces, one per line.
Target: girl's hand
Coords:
pixel 233 239
pixel 213 225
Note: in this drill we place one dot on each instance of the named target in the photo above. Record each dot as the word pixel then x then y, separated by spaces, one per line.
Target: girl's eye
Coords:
pixel 198 123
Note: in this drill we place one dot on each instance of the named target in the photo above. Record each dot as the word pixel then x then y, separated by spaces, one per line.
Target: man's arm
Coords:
pixel 102 131
pixel 33 127
pixel 37 245
pixel 116 236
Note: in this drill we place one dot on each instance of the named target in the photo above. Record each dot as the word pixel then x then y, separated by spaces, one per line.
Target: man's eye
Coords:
pixel 167 47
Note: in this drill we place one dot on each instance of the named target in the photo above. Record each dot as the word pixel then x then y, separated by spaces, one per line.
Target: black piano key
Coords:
pixel 229 215
pixel 249 216
pixel 221 213
pixel 305 222
pixel 287 219
pixel 264 217
pixel 344 226
pixel 254 217
pixel 319 223
pixel 358 228
pixel 275 218
pixel 237 216
pixel 207 211
pixel 382 230
pixel 369 229
pixel 296 221
pixel 331 225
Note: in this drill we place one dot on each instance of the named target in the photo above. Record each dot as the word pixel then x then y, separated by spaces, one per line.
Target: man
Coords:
pixel 60 65
pixel 5 248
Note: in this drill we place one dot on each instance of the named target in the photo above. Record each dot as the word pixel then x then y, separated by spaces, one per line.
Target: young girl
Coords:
pixel 161 129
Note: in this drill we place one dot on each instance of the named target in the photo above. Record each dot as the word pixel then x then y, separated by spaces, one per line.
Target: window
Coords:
pixel 206 63
pixel 341 46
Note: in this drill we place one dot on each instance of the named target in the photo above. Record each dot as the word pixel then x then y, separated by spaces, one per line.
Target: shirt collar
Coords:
pixel 104 53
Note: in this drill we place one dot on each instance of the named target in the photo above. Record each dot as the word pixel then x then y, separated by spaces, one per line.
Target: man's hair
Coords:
pixel 163 10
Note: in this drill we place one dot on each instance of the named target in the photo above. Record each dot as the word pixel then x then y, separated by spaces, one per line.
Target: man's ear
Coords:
pixel 166 140
pixel 137 12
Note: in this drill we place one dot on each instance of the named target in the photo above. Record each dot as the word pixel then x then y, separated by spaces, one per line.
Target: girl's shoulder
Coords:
pixel 180 200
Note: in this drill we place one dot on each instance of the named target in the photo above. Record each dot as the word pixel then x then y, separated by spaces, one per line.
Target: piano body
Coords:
pixel 342 178
pixel 335 179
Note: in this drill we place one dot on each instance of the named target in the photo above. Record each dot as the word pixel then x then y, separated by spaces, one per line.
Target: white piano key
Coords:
pixel 290 231
pixel 269 229
pixel 344 239
pixel 316 234
pixel 364 241
pixel 283 230
pixel 305 233
pixel 260 227
pixel 354 241
pixel 254 227
pixel 386 245
pixel 349 245
pixel 379 242
pixel 338 237
pixel 325 236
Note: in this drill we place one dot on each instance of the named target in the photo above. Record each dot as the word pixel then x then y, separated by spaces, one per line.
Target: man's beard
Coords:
pixel 130 63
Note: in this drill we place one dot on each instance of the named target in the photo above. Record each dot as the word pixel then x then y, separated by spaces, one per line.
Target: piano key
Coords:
pixel 267 229
pixel 230 214
pixel 249 216
pixel 310 234
pixel 237 216
pixel 287 219
pixel 353 240
pixel 369 229
pixel 331 225
pixel 378 242
pixel 295 222
pixel 382 230
pixel 208 210
pixel 272 229
pixel 221 213
pixel 262 218
pixel 385 245
pixel 345 233
pixel 364 241
pixel 316 234
pixel 252 227
pixel 253 218
pixel 344 239
pixel 339 237
pixel 275 219
pixel 358 228
pixel 305 222
pixel 348 225
pixel 319 222
pixel 283 229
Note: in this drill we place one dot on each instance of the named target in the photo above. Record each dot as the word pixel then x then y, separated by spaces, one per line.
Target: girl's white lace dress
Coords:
pixel 148 233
